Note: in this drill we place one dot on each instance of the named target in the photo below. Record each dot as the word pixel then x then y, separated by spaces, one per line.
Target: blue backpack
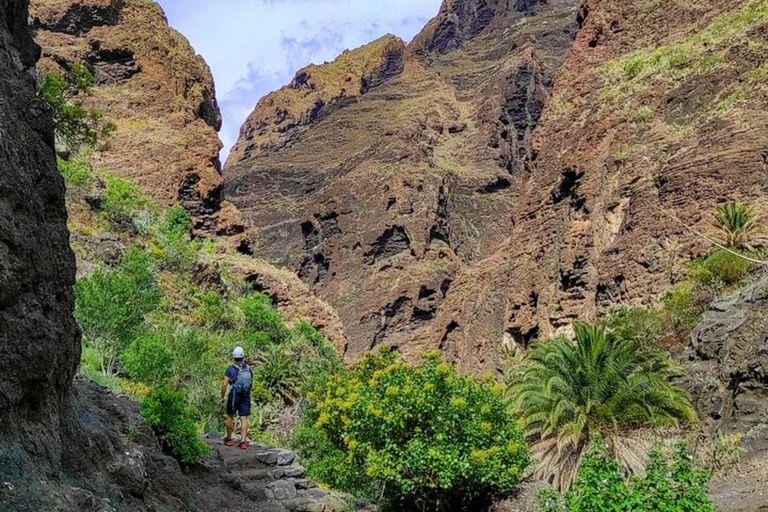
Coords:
pixel 243 380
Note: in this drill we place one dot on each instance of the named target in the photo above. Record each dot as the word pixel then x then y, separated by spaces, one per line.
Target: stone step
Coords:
pixel 276 457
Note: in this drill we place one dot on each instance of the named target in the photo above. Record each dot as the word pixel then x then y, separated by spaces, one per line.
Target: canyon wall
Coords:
pixel 380 176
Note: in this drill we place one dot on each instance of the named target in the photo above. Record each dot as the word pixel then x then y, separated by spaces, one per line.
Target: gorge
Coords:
pixel 519 166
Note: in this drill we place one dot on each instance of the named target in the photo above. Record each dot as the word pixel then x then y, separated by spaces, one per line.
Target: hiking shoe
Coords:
pixel 243 445
pixel 229 442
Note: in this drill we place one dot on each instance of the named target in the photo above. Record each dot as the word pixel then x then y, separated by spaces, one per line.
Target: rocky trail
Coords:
pixel 274 480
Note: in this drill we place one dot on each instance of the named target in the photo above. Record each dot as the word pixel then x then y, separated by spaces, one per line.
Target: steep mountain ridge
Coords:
pixel 155 89
pixel 379 202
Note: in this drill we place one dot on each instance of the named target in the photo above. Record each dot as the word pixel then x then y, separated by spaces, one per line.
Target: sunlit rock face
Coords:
pixel 159 94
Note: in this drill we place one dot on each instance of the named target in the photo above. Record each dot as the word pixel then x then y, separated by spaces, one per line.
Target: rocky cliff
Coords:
pixel 525 166
pixel 657 115
pixel 158 93
pixel 378 177
pixel 39 340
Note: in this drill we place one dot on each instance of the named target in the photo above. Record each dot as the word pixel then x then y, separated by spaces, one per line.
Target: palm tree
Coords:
pixel 737 225
pixel 568 392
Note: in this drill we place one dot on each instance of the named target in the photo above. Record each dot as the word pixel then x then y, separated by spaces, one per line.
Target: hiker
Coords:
pixel 239 378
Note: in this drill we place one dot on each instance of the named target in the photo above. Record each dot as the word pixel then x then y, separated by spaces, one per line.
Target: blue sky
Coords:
pixel 255 46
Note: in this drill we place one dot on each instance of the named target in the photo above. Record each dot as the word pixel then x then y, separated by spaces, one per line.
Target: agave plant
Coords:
pixel 566 393
pixel 737 225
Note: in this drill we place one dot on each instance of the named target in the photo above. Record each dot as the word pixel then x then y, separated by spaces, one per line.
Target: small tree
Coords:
pixel 567 393
pixel 737 225
pixel 111 305
pixel 75 125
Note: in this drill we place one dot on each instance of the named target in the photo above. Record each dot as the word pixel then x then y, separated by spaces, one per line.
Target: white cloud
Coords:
pixel 255 46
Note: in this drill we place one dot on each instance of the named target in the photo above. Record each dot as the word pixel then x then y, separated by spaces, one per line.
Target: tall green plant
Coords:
pixel 567 392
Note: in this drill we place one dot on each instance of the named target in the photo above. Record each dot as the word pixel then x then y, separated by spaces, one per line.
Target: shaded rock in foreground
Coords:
pixel 39 340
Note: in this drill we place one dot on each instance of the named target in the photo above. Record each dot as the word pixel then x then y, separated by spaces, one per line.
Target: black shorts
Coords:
pixel 239 404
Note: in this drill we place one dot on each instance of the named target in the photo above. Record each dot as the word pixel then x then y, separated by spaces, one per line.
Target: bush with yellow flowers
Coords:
pixel 414 437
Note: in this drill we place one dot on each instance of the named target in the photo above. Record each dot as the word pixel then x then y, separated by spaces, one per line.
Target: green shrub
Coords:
pixel 417 437
pixel 670 484
pixel 124 205
pixel 643 325
pixel 149 359
pixel 77 173
pixel 683 304
pixel 176 222
pixel 111 305
pixel 304 331
pixel 179 251
pixel 719 269
pixel 216 312
pixel 173 421
pixel 260 315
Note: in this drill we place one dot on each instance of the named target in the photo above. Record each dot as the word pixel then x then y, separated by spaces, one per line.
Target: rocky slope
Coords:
pixel 658 114
pixel 378 177
pixel 159 94
pixel 525 166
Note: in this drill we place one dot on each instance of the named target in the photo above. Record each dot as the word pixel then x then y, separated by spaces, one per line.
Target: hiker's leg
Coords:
pixel 243 428
pixel 229 423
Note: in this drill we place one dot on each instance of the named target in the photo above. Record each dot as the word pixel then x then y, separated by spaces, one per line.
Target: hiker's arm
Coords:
pixel 224 385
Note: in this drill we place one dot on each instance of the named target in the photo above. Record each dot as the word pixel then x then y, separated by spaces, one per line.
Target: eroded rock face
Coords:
pixel 39 340
pixel 381 198
pixel 159 94
pixel 461 20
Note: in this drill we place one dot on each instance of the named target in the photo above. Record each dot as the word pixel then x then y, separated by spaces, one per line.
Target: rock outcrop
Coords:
pixel 380 197
pixel 315 92
pixel 39 340
pixel 157 92
pixel 726 365
pixel 727 361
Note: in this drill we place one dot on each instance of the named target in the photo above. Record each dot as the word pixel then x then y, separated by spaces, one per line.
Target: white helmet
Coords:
pixel 238 353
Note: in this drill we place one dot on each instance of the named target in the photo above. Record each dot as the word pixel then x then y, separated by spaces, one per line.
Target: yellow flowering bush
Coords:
pixel 417 437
